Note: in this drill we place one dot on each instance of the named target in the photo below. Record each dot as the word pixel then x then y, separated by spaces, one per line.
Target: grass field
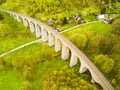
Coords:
pixel 10 79
pixel 98 27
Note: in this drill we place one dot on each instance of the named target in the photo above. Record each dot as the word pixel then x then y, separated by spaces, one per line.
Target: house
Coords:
pixel 50 21
pixel 104 17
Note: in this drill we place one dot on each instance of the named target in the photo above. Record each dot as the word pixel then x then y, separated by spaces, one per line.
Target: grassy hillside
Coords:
pixel 38 67
pixel 97 27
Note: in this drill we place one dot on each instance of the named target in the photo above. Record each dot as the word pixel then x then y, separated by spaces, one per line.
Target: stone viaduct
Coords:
pixel 68 50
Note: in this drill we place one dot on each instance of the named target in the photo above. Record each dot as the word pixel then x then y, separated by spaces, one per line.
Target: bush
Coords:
pixel 26 85
pixel 2 1
pixel 2 64
pixel 4 30
pixel 116 27
pixel 17 63
pixel 79 40
pixel 104 63
pixel 1 17
pixel 107 43
pixel 27 73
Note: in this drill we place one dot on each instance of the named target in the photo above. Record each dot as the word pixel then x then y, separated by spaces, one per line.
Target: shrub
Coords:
pixel 2 1
pixel 1 17
pixel 104 63
pixel 79 40
pixel 27 73
pixel 116 27
pixel 26 85
pixel 4 30
pixel 2 64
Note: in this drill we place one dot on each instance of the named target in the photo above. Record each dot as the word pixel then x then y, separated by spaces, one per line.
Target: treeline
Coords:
pixel 58 9
pixel 59 6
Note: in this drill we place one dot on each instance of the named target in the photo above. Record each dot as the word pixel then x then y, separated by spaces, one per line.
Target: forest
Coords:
pixel 37 66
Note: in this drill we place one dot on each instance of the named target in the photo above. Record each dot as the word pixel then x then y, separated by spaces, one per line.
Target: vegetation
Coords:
pixel 65 78
pixel 102 47
pixel 11 33
pixel 58 10
pixel 38 67
pixel 31 62
pixel 10 78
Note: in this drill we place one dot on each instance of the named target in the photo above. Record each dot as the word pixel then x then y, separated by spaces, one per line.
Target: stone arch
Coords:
pixel 73 59
pixel 25 22
pixel 51 41
pixel 32 26
pixel 83 66
pixel 44 34
pixel 38 30
pixel 11 15
pixel 94 78
pixel 15 16
pixel 57 44
pixel 65 52
pixel 98 78
pixel 19 19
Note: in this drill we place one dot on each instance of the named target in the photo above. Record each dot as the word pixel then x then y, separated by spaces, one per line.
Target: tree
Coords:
pixel 92 46
pixel 116 27
pixel 1 16
pixel 64 21
pixel 2 1
pixel 107 43
pixel 4 30
pixel 79 40
pixel 104 63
